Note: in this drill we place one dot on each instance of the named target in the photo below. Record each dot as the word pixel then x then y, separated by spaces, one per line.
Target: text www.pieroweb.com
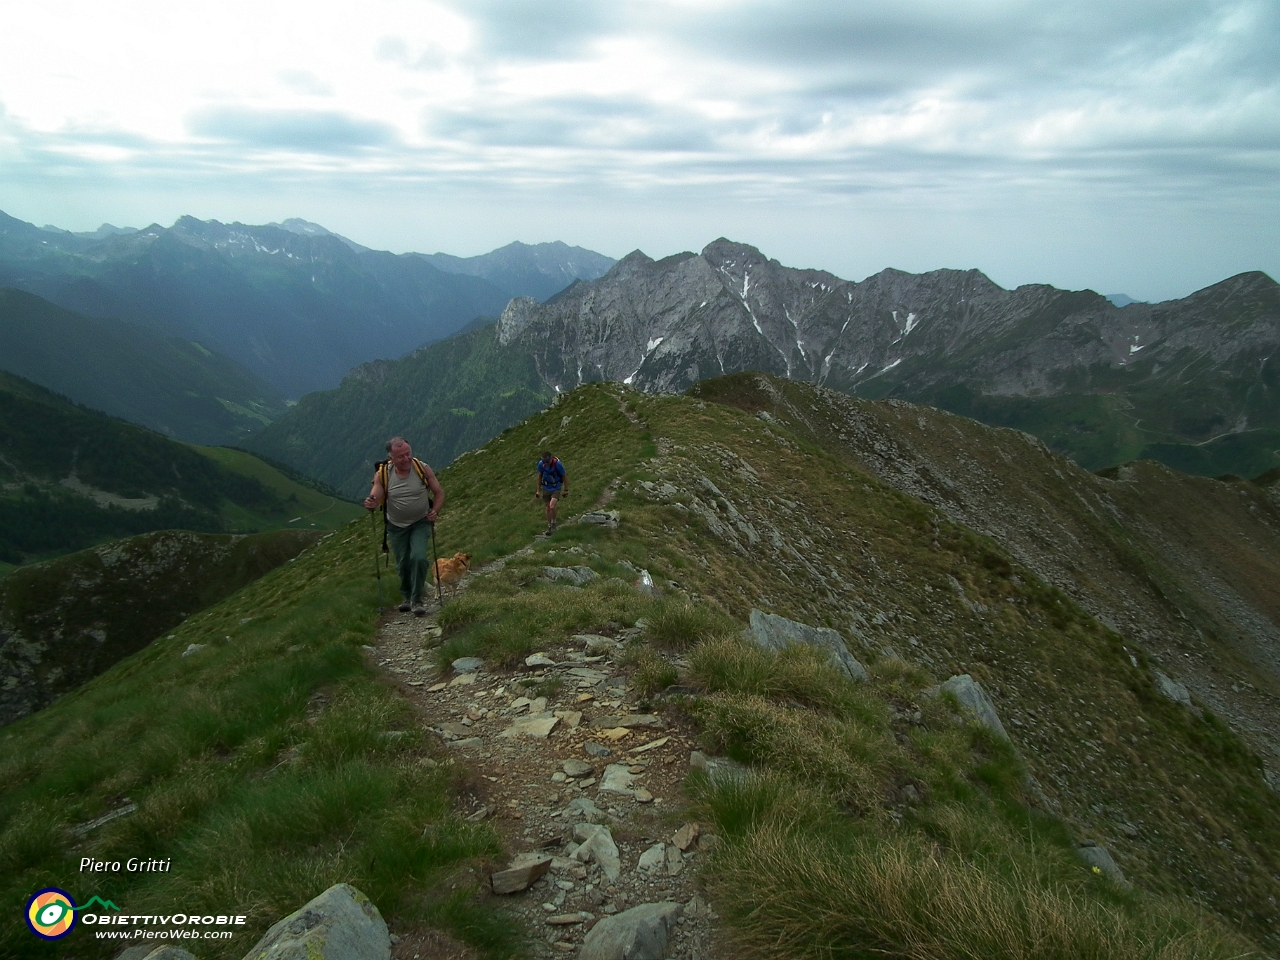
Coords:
pixel 173 927
pixel 165 934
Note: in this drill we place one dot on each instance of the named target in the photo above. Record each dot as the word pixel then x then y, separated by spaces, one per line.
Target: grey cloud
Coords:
pixel 581 122
pixel 519 30
pixel 304 81
pixel 309 131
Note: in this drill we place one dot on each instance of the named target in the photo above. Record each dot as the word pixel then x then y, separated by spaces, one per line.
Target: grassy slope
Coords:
pixel 208 490
pixel 174 386
pixel 313 509
pixel 69 619
pixel 1185 566
pixel 446 398
pixel 256 764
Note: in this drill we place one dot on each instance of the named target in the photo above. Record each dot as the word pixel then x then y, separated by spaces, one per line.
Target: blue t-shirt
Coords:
pixel 552 474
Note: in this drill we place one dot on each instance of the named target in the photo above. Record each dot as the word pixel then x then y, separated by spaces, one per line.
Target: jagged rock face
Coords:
pixel 665 325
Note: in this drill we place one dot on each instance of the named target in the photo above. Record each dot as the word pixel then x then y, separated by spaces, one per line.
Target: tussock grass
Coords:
pixel 796 885
pixel 676 623
pixel 797 674
pixel 850 759
pixel 650 672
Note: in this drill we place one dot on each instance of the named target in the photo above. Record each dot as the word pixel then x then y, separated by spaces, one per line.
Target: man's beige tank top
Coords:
pixel 408 498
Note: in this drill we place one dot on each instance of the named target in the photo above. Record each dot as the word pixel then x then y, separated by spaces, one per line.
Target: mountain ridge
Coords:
pixel 1181 373
pixel 297 307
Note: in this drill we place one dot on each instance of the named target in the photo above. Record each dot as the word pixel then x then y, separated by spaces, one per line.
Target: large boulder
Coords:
pixel 773 632
pixel 637 934
pixel 340 924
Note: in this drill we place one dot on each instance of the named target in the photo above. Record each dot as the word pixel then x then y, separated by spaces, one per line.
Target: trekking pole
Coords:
pixel 377 569
pixel 435 557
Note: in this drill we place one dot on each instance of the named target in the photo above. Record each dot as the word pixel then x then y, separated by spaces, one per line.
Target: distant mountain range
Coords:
pixel 528 271
pixel 295 304
pixel 1189 382
pixel 174 386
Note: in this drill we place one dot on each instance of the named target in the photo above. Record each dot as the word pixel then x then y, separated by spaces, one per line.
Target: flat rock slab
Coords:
pixel 538 660
pixel 651 745
pixel 1099 858
pixel 631 721
pixel 577 768
pixel 585 808
pixel 653 860
pixel 1172 689
pixel 597 844
pixel 617 779
pixel 718 769
pixel 340 924
pixel 637 934
pixel 594 749
pixel 454 730
pixel 568 919
pixel 538 728
pixel 577 576
pixel 975 702
pixel 520 876
pixel 773 632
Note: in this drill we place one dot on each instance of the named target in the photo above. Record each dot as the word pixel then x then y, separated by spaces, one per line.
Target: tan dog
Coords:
pixel 449 573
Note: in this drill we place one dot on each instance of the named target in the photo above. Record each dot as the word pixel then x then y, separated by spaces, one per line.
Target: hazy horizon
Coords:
pixel 1127 148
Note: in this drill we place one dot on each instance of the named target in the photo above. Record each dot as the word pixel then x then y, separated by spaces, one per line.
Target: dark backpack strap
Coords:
pixel 384 473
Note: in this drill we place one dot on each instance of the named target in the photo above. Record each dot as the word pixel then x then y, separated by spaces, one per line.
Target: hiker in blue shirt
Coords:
pixel 552 486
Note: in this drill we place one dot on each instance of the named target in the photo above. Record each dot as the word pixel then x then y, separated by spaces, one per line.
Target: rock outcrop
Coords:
pixel 340 924
pixel 773 632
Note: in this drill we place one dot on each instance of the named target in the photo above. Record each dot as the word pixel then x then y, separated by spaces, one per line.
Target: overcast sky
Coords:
pixel 1128 146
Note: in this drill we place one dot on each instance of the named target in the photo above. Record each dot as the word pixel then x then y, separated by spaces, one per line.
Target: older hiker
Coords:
pixel 553 485
pixel 411 498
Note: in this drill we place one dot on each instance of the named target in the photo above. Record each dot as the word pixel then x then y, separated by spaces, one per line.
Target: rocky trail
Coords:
pixel 583 786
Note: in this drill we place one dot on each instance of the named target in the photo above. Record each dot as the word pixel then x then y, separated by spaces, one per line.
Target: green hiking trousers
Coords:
pixel 409 544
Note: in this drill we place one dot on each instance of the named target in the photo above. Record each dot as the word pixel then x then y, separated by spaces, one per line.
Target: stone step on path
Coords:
pixel 582 785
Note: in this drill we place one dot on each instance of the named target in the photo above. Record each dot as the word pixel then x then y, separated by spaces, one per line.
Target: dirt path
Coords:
pixel 512 733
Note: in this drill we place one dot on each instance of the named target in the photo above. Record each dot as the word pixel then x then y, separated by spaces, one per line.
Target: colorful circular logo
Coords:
pixel 51 913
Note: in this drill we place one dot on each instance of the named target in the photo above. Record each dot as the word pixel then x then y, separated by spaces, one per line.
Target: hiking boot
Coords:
pixel 550 529
pixel 419 609
pixel 404 606
pixel 553 526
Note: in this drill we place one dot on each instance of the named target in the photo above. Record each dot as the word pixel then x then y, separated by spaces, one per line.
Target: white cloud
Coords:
pixel 963 105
